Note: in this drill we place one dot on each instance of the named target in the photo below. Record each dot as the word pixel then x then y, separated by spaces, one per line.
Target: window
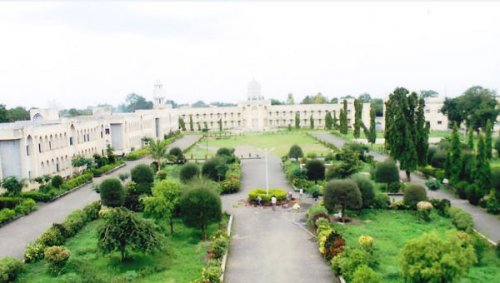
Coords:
pixel 427 111
pixel 440 122
pixel 107 131
pixel 28 150
pixel 70 140
pixel 40 148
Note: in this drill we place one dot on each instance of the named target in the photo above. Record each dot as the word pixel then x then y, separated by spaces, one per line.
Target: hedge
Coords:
pixel 137 154
pixel 232 182
pixel 98 172
pixel 22 207
pixel 278 193
pixel 77 181
pixel 9 269
pixel 9 202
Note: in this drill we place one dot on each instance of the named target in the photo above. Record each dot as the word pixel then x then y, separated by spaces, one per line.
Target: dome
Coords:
pixel 254 91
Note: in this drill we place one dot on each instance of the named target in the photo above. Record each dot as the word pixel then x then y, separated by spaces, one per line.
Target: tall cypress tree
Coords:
pixel 311 122
pixel 470 139
pixel 421 133
pixel 455 156
pixel 335 122
pixel 372 138
pixel 191 124
pixel 328 120
pixel 343 119
pixel 400 129
pixel 488 139
pixel 297 120
pixel 482 172
pixel 358 108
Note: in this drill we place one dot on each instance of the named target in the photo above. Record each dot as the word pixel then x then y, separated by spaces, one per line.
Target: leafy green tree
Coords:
pixel 143 176
pixel 177 153
pixel 123 230
pixel 191 123
pixel 182 124
pixel 135 102
pixel 432 259
pixel 428 93
pixel 12 185
pixel 163 202
pixel 470 139
pixel 482 172
pixel 378 105
pixel 358 109
pixel 295 152
pixel 497 146
pixel 158 151
pixel 455 155
pixel 297 120
pixel 57 181
pixel 319 98
pixel 214 168
pixel 343 119
pixel 348 164
pixel 315 170
pixel 365 98
pixel 220 125
pixel 421 134
pixel 401 129
pixel 18 114
pixel 79 161
pixel 311 122
pixel 366 188
pixel 343 193
pixel 335 122
pixel 189 171
pixel 387 172
pixel 488 143
pixel 4 118
pixel 276 102
pixel 112 193
pixel 110 154
pixel 307 100
pixel 200 206
pixel 328 120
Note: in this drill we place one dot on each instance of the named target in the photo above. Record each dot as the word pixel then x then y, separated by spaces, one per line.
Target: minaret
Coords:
pixel 254 91
pixel 159 95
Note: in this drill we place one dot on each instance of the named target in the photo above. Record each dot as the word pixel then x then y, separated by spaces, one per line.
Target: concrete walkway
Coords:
pixel 267 245
pixel 16 235
pixel 486 224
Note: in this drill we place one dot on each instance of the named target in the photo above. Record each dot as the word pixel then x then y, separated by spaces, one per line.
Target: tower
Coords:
pixel 254 90
pixel 158 95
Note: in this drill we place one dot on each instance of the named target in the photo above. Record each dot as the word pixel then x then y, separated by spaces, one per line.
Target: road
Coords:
pixel 486 224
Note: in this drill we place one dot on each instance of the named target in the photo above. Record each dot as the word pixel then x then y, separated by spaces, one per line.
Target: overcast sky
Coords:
pixel 79 54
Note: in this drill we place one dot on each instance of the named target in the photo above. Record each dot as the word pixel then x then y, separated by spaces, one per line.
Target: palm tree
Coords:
pixel 158 151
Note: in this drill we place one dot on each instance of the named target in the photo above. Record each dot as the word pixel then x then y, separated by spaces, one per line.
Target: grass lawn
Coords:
pixel 183 261
pixel 280 141
pixel 392 229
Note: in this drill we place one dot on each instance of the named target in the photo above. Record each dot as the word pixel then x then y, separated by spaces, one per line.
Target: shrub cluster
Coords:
pixel 351 260
pixel 9 269
pixel 316 212
pixel 137 154
pixel 12 207
pixel 330 242
pixel 232 183
pixel 278 193
pixel 414 194
pixel 56 257
pixel 461 219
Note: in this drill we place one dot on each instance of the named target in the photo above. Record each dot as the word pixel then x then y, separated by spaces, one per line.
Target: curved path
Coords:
pixel 267 245
pixel 486 224
pixel 16 235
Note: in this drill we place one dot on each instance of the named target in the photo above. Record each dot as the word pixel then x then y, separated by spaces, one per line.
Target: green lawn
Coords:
pixel 183 261
pixel 280 141
pixel 392 229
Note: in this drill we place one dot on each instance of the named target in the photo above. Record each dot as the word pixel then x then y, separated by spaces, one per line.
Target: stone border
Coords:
pixel 224 258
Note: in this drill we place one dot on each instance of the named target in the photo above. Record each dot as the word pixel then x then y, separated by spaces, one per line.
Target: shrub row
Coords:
pixel 137 154
pixel 278 193
pixel 212 272
pixel 59 233
pixel 23 207
pixel 232 183
pixel 432 171
pixel 330 242
pixel 48 193
pixel 97 172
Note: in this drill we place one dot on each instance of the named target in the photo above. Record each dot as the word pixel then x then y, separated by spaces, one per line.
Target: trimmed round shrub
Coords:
pixel 413 194
pixel 143 176
pixel 381 201
pixel 189 171
pixel 386 172
pixel 33 252
pixel 315 170
pixel 9 269
pixel 366 188
pixel 313 211
pixel 343 193
pixel 295 152
pixel 56 257
pixel 433 185
pixel 57 181
pixel 112 193
pixel 364 274
pixel 214 169
pixel 51 237
pixel 178 154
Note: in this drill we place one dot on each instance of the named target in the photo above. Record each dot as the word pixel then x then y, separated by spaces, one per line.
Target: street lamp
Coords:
pixel 266 150
pixel 205 132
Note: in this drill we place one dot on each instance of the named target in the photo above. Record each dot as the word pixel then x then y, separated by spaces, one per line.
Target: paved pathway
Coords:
pixel 16 235
pixel 487 224
pixel 267 245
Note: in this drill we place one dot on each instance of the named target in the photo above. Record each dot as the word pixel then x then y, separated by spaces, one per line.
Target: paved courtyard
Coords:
pixel 487 224
pixel 267 245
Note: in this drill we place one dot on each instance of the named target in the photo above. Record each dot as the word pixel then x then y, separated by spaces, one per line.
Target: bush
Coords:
pixel 215 169
pixel 189 171
pixel 433 185
pixel 350 260
pixel 315 170
pixel 313 211
pixel 438 159
pixel 424 209
pixel 442 206
pixel 7 214
pixel 33 252
pixel 104 169
pixel 343 193
pixel 12 185
pixel 112 193
pixel 381 201
pixel 386 172
pixel 474 194
pixel 9 269
pixel 413 194
pixel 38 196
pixel 9 202
pixel 57 181
pixel 211 273
pixel 177 153
pixel 219 245
pixel 132 195
pixel 461 189
pixel 143 176
pixel 77 181
pixel 295 152
pixel 134 155
pixel 328 157
pixel 56 257
pixel 123 176
pixel 364 274
pixel 461 219
pixel 162 175
pixel 227 154
pixel 25 207
pixel 278 193
pixel 74 222
pixel 51 237
pixel 366 188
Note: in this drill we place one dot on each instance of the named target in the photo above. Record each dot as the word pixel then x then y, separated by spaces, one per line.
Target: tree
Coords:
pixel 189 171
pixel 110 154
pixel 79 161
pixel 432 259
pixel 482 172
pixel 12 185
pixel 295 152
pixel 428 93
pixel 358 109
pixel 57 181
pixel 3 114
pixel 455 155
pixel 349 164
pixel 364 98
pixel 475 106
pixel 366 189
pixel 18 114
pixel 199 104
pixel 328 120
pixel 311 122
pixel 182 124
pixel 343 193
pixel 163 202
pixel 112 193
pixel 488 143
pixel 214 169
pixel 200 205
pixel 401 131
pixel 470 139
pixel 497 146
pixel 319 98
pixel 414 194
pixel 135 102
pixel 290 100
pixel 334 100
pixel 421 134
pixel 343 119
pixel 307 100
pixel 276 102
pixel 220 125
pixel 123 230
pixel 335 123
pixel 177 153
pixel 378 105
pixel 387 172
pixel 315 170
pixel 191 124
pixel 143 176
pixel 372 133
pixel 297 120
pixel 158 151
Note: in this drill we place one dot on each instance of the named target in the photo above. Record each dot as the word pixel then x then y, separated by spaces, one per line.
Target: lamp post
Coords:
pixel 267 169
